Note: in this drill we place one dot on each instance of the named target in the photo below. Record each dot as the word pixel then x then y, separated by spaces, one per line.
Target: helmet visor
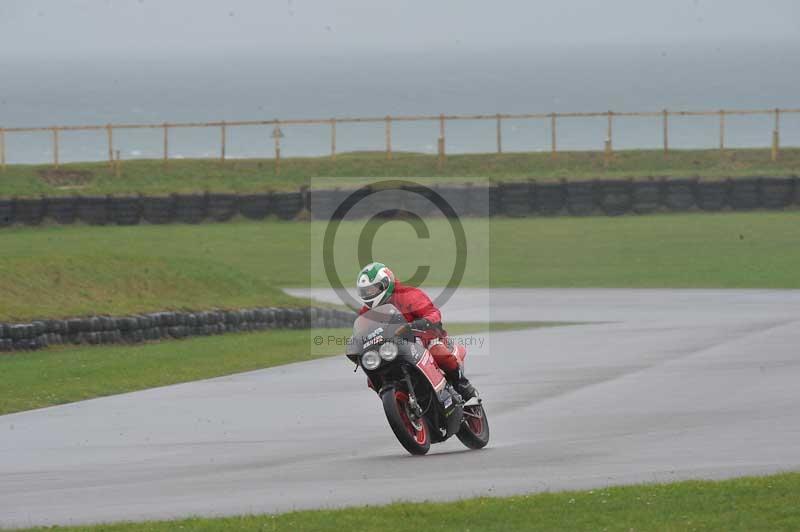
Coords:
pixel 371 291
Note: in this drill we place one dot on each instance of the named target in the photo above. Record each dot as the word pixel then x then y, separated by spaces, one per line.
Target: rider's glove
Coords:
pixel 421 324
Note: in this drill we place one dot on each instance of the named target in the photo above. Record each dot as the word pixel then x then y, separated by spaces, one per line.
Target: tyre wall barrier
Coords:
pixel 465 201
pixel 7 212
pixel 580 198
pixel 190 209
pixel 745 194
pixel 420 200
pixel 680 194
pixel 158 209
pixel 125 210
pixel 288 205
pixel 777 193
pixel 513 199
pixel 323 203
pixel 796 194
pixel 550 198
pixel 222 207
pixel 255 206
pixel 471 200
pixel 516 199
pixel 30 211
pixel 94 210
pixel 614 197
pixel 713 195
pixel 646 196
pixel 63 210
pixel 163 325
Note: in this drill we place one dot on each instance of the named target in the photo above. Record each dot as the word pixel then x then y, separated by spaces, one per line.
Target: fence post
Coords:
pixel 553 149
pixel 441 142
pixel 223 141
pixel 277 136
pixel 388 138
pixel 333 139
pixel 166 143
pixel 721 130
pixel 666 132
pixel 55 147
pixel 776 136
pixel 607 152
pixel 117 165
pixel 110 137
pixel 499 134
pixel 2 149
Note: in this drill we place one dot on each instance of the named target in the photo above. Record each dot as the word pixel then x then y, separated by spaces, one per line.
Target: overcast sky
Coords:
pixel 77 28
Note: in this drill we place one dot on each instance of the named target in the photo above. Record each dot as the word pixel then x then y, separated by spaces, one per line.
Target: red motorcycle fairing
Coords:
pixel 427 366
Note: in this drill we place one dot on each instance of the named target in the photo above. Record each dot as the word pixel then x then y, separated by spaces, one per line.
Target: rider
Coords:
pixel 376 285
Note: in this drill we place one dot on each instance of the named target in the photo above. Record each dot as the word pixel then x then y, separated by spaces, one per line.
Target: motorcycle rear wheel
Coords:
pixel 474 431
pixel 413 435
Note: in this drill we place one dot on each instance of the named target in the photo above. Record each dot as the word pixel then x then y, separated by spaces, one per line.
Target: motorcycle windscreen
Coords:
pixel 386 317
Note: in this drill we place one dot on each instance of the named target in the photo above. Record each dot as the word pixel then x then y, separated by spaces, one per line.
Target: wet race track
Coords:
pixel 658 385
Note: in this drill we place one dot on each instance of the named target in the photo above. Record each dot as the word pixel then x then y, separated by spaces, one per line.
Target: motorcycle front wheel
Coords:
pixel 413 434
pixel 474 432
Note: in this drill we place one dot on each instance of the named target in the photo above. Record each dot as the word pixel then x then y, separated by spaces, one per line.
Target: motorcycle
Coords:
pixel 421 406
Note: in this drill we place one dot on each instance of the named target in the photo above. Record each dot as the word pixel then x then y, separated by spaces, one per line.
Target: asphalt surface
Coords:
pixel 666 385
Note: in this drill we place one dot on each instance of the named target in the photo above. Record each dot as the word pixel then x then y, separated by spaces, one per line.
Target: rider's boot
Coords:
pixel 461 384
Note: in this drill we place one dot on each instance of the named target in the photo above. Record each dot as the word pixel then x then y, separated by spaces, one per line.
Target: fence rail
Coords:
pixel 442 119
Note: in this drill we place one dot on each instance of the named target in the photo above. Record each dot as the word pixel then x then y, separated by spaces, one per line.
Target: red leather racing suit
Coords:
pixel 415 304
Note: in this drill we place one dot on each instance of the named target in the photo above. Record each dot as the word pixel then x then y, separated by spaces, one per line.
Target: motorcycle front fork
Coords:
pixel 412 397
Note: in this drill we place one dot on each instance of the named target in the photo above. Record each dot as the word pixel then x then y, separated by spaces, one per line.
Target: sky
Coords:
pixel 149 61
pixel 81 28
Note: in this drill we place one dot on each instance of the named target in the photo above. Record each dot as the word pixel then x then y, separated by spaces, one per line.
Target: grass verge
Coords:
pixel 67 374
pixel 746 504
pixel 63 271
pixel 249 175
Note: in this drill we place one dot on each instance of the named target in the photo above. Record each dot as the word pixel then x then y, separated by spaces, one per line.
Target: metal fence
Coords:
pixel 442 120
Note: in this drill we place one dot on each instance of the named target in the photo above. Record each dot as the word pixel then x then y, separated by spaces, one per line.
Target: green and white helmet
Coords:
pixel 375 284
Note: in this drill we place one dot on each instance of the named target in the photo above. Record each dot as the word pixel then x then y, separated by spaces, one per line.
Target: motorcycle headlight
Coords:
pixel 388 351
pixel 370 360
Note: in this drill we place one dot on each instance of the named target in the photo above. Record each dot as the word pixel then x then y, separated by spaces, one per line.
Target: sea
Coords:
pixel 284 84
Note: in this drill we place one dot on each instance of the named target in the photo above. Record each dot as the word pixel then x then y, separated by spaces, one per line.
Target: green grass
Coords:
pixel 66 374
pixel 745 504
pixel 246 175
pixel 70 271
pixel 62 271
pixel 752 250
